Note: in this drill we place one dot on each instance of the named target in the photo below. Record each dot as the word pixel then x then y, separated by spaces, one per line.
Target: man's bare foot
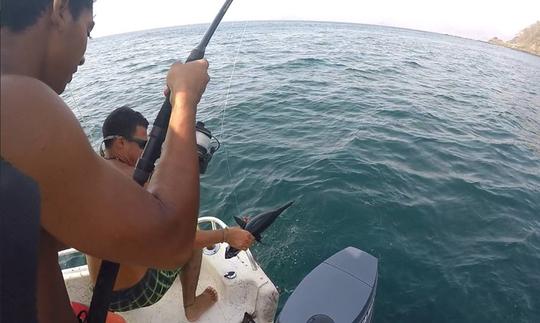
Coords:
pixel 201 304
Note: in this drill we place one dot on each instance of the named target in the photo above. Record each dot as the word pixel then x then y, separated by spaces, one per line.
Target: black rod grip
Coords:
pixel 152 151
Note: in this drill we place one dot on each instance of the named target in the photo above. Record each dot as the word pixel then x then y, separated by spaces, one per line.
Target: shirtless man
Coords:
pixel 124 137
pixel 42 43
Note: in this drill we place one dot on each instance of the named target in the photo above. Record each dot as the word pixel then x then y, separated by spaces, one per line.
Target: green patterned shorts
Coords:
pixel 148 291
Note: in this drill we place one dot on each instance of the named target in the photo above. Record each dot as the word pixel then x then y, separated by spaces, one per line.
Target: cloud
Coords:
pixel 474 19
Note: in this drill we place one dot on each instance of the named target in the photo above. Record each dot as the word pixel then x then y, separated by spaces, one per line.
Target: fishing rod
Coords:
pixel 108 271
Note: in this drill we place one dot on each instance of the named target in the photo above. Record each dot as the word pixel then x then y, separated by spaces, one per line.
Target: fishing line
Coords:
pixel 222 131
pixel 82 120
pixel 75 104
pixel 230 80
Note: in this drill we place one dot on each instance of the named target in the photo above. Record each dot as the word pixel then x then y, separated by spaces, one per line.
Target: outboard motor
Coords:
pixel 339 290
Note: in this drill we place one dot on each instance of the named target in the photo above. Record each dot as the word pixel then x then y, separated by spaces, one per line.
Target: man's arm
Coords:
pixel 86 203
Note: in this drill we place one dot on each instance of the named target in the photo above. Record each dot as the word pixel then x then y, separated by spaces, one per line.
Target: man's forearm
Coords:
pixel 204 238
pixel 176 180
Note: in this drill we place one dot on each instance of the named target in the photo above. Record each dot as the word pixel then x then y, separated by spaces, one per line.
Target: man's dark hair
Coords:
pixel 19 14
pixel 122 122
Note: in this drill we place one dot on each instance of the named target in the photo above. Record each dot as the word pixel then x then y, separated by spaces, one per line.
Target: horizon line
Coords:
pixel 297 20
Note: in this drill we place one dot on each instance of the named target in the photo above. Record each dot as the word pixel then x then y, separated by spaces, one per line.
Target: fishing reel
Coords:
pixel 207 145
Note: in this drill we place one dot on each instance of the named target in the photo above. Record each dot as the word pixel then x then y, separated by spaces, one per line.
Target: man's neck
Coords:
pixel 110 155
pixel 23 53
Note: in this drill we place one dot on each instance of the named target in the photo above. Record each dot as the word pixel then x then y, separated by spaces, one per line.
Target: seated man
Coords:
pixel 124 137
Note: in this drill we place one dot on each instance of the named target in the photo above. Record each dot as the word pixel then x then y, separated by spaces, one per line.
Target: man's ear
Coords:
pixel 118 143
pixel 121 142
pixel 60 13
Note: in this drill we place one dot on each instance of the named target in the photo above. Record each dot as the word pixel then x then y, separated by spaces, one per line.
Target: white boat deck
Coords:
pixel 251 291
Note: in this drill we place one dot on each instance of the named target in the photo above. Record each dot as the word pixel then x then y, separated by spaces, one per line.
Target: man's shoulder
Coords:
pixel 20 84
pixel 36 124
pixel 26 98
pixel 25 94
pixel 123 168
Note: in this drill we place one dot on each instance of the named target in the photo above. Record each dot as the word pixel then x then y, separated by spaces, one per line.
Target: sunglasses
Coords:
pixel 140 142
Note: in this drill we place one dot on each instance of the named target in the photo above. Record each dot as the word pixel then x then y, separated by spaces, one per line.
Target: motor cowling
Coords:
pixel 341 289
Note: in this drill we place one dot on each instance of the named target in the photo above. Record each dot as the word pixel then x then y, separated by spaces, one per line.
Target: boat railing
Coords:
pixel 214 222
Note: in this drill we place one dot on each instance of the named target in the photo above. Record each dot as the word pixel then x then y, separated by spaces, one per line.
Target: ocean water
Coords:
pixel 419 148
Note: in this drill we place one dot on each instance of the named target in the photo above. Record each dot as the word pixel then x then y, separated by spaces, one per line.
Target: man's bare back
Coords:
pixel 80 192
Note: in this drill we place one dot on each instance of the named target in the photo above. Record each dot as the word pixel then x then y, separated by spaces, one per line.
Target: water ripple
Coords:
pixel 420 148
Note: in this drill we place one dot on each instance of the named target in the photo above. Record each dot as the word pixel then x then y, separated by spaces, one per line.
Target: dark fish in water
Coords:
pixel 256 225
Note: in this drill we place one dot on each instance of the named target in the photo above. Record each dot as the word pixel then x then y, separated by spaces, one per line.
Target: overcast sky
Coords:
pixel 477 19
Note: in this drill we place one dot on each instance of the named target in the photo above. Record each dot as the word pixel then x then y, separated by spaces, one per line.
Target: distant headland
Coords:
pixel 527 40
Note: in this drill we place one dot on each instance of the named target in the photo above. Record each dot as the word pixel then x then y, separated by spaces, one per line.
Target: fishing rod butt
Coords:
pixel 100 301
